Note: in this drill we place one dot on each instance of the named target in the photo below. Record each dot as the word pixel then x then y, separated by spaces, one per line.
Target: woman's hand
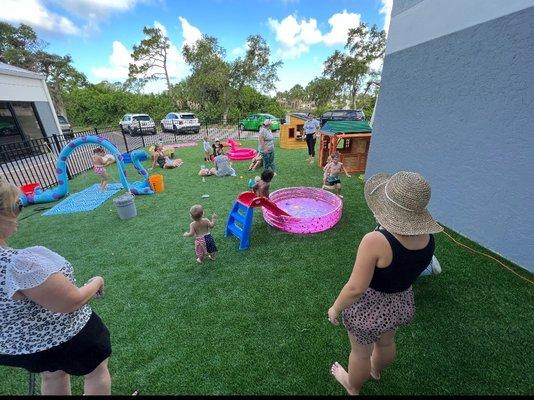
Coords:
pixel 332 316
pixel 99 281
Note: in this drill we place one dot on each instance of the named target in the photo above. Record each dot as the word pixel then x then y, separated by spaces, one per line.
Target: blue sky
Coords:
pixel 99 34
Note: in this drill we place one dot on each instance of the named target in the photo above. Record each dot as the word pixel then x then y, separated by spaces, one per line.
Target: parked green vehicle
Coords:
pixel 253 122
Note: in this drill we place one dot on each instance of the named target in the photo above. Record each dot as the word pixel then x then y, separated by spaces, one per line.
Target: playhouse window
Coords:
pixel 291 132
pixel 343 144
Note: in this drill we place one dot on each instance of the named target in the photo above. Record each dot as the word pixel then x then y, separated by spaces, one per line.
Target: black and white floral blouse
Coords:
pixel 25 326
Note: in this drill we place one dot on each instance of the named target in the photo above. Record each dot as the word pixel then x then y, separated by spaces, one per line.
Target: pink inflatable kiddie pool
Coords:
pixel 310 210
pixel 238 154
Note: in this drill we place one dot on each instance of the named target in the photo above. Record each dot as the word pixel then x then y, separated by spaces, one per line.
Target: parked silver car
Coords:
pixel 66 128
pixel 136 124
pixel 180 122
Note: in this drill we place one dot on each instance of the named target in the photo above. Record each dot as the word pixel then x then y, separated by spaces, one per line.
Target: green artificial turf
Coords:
pixel 254 322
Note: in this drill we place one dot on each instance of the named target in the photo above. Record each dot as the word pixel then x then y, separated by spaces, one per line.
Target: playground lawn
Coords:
pixel 254 322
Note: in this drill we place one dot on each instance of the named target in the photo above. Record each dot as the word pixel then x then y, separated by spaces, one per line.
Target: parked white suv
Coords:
pixel 135 124
pixel 180 122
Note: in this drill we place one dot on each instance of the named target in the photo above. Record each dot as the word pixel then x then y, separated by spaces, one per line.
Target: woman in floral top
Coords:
pixel 46 324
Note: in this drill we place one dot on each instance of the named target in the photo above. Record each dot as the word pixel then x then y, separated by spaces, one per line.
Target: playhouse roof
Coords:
pixel 333 127
pixel 303 116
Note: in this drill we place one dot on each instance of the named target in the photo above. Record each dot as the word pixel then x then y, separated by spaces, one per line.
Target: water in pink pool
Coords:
pixel 303 207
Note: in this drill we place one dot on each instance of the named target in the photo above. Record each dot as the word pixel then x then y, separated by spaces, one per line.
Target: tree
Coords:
pixel 254 69
pixel 18 45
pixel 209 83
pixel 217 84
pixel 60 76
pixel 321 91
pixel 22 48
pixel 364 45
pixel 150 57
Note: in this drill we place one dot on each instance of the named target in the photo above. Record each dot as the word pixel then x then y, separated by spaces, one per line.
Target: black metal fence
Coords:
pixel 35 160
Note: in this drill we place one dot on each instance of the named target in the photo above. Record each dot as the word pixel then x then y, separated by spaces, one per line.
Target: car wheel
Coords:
pixel 174 129
pixel 130 131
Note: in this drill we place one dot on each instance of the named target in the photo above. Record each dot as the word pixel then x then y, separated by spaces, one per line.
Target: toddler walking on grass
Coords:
pixel 200 228
pixel 331 172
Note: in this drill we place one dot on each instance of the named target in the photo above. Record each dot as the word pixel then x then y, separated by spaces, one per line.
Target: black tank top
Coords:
pixel 405 266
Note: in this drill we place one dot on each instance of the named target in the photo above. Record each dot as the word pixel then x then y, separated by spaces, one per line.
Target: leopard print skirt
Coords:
pixel 377 312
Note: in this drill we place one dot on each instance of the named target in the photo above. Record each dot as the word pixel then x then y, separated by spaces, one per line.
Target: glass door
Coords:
pixel 28 120
pixel 9 132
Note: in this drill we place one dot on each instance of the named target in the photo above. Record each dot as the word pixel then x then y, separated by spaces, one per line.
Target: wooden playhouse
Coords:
pixel 292 132
pixel 350 138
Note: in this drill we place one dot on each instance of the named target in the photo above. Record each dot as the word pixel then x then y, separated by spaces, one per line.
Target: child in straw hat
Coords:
pixel 378 296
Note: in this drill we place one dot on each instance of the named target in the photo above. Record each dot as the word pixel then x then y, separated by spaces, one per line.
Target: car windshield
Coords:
pixel 187 116
pixel 62 120
pixel 141 118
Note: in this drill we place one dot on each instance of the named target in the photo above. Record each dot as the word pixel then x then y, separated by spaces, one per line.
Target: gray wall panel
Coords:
pixel 47 118
pixel 460 110
pixel 402 5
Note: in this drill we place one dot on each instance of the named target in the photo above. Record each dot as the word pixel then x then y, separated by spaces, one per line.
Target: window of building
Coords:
pixel 9 132
pixel 27 119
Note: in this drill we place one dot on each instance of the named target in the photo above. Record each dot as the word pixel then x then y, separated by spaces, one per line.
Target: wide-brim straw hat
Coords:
pixel 267 122
pixel 399 203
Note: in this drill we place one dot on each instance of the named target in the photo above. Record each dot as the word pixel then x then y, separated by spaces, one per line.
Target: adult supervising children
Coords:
pixel 46 324
pixel 378 297
pixel 266 148
pixel 311 127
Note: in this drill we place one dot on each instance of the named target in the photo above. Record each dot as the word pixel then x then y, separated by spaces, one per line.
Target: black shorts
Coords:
pixel 333 180
pixel 77 356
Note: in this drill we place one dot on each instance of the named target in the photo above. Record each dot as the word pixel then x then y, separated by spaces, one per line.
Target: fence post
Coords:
pixel 141 133
pixel 96 131
pixel 56 142
pixel 125 142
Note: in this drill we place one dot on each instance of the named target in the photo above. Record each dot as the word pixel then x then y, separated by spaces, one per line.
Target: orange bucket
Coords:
pixel 156 181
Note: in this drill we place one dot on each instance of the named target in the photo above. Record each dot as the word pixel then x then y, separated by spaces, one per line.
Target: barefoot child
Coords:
pixel 200 228
pixel 325 175
pixel 256 162
pixel 99 167
pixel 207 149
pixel 261 188
pixel 332 171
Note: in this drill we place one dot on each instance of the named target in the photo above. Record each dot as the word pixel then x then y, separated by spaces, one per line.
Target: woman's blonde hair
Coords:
pixel 9 195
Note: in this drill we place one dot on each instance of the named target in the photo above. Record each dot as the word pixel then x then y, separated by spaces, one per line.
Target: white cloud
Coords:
pixel 99 8
pixel 376 65
pixel 35 14
pixel 387 6
pixel 238 51
pixel 161 28
pixel 190 33
pixel 341 23
pixel 119 60
pixel 296 36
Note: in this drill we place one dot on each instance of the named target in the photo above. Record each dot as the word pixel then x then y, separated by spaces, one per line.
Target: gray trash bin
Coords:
pixel 125 206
